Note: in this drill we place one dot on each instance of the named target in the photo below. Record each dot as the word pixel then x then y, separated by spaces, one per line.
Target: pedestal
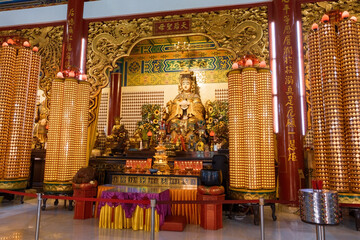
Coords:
pixel 84 209
pixel 211 214
pixel 174 223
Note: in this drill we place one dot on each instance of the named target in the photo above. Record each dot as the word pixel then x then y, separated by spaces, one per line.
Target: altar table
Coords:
pixel 190 211
pixel 135 216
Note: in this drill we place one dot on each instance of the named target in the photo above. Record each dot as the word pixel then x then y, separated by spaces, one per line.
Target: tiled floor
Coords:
pixel 17 221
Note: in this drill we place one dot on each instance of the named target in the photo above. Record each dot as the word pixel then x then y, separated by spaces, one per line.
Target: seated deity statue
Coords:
pixel 186 110
pixel 117 126
pixel 118 140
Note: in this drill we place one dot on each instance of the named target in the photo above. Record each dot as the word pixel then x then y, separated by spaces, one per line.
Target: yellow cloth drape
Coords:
pixel 114 217
pixel 100 190
pixel 92 129
pixel 190 211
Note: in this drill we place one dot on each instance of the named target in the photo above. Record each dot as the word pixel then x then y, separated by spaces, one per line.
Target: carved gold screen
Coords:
pixel 240 31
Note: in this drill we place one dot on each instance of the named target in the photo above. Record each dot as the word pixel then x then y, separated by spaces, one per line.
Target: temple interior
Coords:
pixel 156 119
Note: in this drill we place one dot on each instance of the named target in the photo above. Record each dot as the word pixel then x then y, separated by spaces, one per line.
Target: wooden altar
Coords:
pixel 112 167
pixel 109 168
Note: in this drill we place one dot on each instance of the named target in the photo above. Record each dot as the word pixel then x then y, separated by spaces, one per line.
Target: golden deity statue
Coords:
pixel 185 111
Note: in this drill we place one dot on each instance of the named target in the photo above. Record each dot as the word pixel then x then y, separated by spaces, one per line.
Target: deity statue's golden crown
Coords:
pixel 187 73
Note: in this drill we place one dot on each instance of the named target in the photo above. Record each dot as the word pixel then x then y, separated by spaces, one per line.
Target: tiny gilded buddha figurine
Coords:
pixel 117 142
pixel 184 112
pixel 40 128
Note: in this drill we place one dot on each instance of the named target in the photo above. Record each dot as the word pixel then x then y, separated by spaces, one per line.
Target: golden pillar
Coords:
pixel 334 118
pixel 81 128
pixel 251 129
pixel 236 133
pixel 335 82
pixel 67 136
pixel 17 115
pixel 318 116
pixel 68 122
pixel 53 144
pixel 267 152
pixel 251 143
pixel 349 43
pixel 7 63
pixel 30 112
pixel 20 68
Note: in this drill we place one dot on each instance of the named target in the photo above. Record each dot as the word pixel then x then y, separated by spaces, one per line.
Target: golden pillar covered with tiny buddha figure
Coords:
pixel 20 70
pixel 334 56
pixel 67 136
pixel 251 143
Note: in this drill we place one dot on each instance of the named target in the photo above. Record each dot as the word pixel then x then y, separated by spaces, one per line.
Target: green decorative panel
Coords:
pixel 154 65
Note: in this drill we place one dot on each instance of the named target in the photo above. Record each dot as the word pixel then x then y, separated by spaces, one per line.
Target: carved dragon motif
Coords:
pixel 226 26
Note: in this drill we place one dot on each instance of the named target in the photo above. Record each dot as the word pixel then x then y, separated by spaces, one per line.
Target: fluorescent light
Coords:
pixel 301 76
pixel 82 57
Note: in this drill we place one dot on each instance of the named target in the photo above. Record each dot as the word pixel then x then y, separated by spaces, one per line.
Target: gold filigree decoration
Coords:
pixel 49 41
pixel 13 184
pixel 312 13
pixel 57 187
pixel 243 194
pixel 349 198
pixel 242 31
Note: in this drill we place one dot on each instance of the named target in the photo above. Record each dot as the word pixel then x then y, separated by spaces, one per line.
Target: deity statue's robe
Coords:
pixel 186 106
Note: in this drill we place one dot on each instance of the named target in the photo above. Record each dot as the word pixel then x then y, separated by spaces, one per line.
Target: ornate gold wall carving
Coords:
pixel 49 40
pixel 243 31
pixel 312 13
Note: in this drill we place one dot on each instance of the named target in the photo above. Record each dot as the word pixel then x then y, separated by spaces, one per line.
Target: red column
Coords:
pixel 115 99
pixel 73 34
pixel 289 139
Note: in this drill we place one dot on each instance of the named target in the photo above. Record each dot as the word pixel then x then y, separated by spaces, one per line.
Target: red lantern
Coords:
pixel 212 133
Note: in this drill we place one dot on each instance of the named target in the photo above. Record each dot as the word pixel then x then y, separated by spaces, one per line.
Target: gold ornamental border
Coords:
pixel 13 184
pixel 349 198
pixel 155 181
pixel 247 194
pixel 57 187
pixel 240 31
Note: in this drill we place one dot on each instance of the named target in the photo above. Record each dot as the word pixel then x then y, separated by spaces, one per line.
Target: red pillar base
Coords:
pixel 84 209
pixel 211 214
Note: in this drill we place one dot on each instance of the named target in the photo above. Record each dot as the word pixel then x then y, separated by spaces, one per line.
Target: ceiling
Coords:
pixel 19 4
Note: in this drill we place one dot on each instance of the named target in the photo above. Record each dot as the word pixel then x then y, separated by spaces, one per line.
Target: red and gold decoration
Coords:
pixel 67 136
pixel 334 48
pixel 251 145
pixel 20 69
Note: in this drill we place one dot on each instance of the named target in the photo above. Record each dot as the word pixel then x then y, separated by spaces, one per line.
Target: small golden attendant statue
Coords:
pixel 183 113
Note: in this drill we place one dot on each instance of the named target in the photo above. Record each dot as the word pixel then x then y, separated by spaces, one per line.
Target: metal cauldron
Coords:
pixel 319 206
pixel 210 177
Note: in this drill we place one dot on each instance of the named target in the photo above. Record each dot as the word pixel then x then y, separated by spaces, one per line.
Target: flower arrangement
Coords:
pixel 217 120
pixel 151 117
